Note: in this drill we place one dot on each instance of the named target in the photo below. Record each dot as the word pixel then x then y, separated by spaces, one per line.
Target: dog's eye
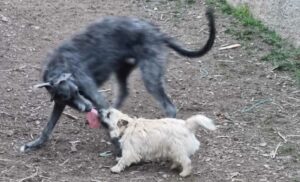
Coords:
pixel 108 115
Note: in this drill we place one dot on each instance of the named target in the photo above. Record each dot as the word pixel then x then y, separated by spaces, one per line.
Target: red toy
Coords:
pixel 92 119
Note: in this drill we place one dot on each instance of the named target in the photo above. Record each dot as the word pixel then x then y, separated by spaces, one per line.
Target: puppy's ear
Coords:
pixel 122 122
pixel 63 77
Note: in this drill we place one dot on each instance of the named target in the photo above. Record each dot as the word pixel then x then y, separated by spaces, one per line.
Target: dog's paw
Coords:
pixel 26 148
pixel 118 158
pixel 115 169
pixel 23 148
pixel 185 173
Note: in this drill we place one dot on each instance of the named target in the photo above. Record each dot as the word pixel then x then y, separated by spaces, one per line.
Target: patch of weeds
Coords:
pixel 287 149
pixel 290 149
pixel 282 55
pixel 177 11
pixel 285 59
pixel 180 7
pixel 296 180
pixel 246 35
pixel 191 1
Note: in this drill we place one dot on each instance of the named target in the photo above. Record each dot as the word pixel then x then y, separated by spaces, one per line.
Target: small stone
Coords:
pixel 4 18
pixel 9 133
pixel 267 166
pixel 37 122
pixel 263 144
pixel 155 9
pixel 46 38
pixel 35 27
pixel 165 176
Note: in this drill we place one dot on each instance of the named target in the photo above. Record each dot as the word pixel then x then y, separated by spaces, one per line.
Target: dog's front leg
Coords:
pixel 90 91
pixel 37 143
pixel 124 161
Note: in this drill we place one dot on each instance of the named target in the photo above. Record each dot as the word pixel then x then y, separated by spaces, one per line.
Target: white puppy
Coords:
pixel 155 139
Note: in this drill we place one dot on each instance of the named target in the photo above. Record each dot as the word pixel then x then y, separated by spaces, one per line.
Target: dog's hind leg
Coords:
pixel 122 75
pixel 153 75
pixel 186 164
pixel 37 143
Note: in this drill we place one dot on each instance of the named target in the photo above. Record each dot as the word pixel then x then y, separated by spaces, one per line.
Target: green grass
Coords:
pixel 282 55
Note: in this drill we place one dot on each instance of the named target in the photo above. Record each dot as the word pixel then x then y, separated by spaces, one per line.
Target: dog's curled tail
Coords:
pixel 198 53
pixel 200 120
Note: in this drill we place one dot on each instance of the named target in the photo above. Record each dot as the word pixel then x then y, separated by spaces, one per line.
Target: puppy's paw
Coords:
pixel 116 169
pixel 185 173
pixel 118 158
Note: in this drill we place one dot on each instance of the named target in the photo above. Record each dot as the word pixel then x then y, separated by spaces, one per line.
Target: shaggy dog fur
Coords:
pixel 115 45
pixel 147 140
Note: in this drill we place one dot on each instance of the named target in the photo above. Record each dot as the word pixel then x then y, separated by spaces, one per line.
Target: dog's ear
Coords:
pixel 62 78
pixel 41 85
pixel 122 122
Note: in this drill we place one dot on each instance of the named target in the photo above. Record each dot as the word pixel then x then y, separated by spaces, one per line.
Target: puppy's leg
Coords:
pixel 37 143
pixel 126 160
pixel 174 165
pixel 153 75
pixel 122 75
pixel 186 164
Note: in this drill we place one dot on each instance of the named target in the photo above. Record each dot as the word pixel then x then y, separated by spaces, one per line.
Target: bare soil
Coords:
pixel 255 108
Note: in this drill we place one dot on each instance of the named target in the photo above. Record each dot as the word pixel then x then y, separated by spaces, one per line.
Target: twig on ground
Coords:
pixel 226 61
pixel 292 135
pixel 70 116
pixel 6 113
pixel 106 90
pixel 64 162
pixel 95 180
pixel 5 160
pixel 281 136
pixel 274 152
pixel 230 47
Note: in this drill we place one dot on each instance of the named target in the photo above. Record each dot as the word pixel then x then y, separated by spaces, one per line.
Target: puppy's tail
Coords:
pixel 198 53
pixel 199 120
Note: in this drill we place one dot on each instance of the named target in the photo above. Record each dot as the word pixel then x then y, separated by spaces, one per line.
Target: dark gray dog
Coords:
pixel 76 69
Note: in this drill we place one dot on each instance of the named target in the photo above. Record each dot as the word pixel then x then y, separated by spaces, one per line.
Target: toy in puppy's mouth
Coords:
pixel 93 119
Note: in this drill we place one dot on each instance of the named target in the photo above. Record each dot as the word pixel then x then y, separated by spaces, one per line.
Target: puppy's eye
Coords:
pixel 108 115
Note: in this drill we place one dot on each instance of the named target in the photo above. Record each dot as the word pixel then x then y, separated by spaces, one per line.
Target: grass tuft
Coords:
pixel 282 55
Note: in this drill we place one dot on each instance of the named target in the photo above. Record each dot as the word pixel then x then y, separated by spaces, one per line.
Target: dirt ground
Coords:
pixel 256 109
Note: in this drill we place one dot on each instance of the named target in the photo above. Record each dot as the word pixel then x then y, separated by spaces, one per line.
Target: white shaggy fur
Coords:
pixel 155 139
